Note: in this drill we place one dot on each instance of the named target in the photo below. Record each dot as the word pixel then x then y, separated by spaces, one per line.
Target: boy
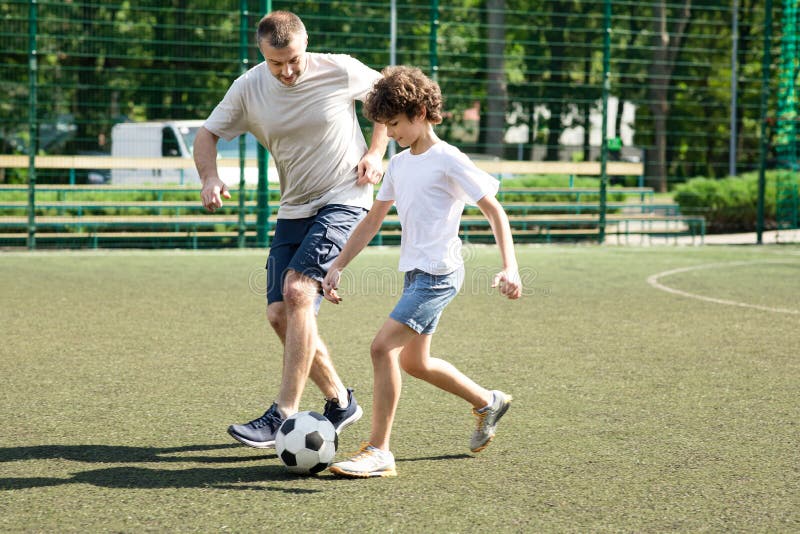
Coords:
pixel 429 183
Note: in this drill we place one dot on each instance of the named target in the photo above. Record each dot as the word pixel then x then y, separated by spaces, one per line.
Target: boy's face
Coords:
pixel 406 131
pixel 287 63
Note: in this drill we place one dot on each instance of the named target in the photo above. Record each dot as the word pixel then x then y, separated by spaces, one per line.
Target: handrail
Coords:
pixel 582 168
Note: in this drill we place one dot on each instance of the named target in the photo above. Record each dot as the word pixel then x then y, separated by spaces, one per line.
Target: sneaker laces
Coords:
pixel 270 418
pixel 481 417
pixel 330 404
pixel 363 452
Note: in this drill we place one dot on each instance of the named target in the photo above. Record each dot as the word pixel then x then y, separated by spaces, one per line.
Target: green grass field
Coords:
pixel 636 409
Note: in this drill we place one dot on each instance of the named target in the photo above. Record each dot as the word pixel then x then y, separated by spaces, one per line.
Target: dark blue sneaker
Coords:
pixel 259 433
pixel 343 417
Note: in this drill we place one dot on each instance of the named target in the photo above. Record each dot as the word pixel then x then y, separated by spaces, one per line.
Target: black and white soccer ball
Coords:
pixel 306 443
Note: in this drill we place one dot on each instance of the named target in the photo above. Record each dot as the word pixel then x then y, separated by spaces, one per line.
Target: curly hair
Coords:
pixel 404 90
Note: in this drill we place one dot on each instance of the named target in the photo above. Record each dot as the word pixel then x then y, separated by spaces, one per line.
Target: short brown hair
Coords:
pixel 404 90
pixel 279 27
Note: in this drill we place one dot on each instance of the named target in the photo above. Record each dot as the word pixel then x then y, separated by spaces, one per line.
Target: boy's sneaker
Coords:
pixel 259 433
pixel 341 418
pixel 487 420
pixel 366 463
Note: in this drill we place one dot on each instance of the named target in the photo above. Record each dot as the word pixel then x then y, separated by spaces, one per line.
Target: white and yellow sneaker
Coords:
pixel 366 463
pixel 487 420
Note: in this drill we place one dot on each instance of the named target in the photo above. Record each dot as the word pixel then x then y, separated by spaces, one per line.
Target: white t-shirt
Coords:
pixel 430 191
pixel 310 129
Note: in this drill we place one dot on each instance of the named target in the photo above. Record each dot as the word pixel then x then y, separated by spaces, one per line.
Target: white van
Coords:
pixel 174 139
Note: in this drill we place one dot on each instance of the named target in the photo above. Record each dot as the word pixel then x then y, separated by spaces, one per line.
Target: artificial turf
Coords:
pixel 635 409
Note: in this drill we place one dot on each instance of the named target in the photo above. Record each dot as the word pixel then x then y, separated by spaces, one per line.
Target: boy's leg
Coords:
pixel 374 459
pixel 415 359
pixel 487 406
pixel 387 382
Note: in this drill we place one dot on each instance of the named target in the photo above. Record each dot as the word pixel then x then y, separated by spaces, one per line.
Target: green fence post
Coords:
pixel 243 15
pixel 765 64
pixel 33 68
pixel 434 34
pixel 262 194
pixel 603 125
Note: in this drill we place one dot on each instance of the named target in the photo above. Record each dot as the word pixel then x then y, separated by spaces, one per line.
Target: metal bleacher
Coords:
pixel 109 216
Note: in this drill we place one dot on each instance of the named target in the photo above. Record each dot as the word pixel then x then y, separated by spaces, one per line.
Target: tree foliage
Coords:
pixel 534 66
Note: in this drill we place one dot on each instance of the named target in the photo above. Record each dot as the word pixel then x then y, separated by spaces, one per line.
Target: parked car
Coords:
pixel 174 139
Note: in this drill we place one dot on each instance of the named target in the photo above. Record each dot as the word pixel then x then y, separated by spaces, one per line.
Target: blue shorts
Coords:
pixel 425 297
pixel 309 245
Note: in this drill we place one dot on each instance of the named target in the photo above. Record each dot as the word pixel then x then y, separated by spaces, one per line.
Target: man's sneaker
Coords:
pixel 341 418
pixel 366 463
pixel 259 433
pixel 487 420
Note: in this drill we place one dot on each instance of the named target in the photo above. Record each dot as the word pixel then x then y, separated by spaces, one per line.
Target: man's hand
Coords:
pixel 214 190
pixel 330 284
pixel 370 169
pixel 509 284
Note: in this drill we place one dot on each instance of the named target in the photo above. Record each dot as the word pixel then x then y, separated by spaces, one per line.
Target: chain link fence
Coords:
pixel 688 88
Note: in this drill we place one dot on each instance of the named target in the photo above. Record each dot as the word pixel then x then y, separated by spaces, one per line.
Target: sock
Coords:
pixel 343 400
pixel 283 413
pixel 488 406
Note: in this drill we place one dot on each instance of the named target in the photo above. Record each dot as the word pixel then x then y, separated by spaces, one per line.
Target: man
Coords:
pixel 301 106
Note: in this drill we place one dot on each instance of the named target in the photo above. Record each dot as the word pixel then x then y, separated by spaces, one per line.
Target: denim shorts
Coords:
pixel 425 297
pixel 309 245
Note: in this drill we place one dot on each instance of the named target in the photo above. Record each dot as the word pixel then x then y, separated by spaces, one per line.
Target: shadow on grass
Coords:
pixel 143 478
pixel 429 458
pixel 127 477
pixel 123 454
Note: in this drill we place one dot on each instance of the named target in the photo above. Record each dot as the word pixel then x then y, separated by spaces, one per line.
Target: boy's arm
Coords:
pixel 370 168
pixel 508 279
pixel 359 239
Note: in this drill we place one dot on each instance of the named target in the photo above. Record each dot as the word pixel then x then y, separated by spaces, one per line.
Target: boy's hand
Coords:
pixel 330 284
pixel 214 190
pixel 509 284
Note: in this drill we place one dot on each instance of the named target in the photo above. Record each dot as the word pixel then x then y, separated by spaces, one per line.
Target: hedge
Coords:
pixel 729 204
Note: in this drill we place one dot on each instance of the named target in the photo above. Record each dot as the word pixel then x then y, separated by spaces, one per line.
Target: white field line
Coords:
pixel 653 280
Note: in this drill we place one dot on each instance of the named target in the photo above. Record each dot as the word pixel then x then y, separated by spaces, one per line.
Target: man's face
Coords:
pixel 288 63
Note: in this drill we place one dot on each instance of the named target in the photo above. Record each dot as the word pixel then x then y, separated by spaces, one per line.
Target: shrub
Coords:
pixel 555 181
pixel 729 204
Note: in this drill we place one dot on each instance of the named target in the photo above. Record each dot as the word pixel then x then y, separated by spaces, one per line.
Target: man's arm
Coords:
pixel 370 168
pixel 205 159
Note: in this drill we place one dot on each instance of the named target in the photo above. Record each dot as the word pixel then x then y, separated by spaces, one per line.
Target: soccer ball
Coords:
pixel 306 443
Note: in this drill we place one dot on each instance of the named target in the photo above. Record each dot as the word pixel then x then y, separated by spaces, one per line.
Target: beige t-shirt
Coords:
pixel 310 129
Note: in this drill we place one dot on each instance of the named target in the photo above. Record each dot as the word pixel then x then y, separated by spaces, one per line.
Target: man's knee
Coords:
pixel 299 290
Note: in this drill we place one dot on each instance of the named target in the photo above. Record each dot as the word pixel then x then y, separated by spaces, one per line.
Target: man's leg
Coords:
pixel 301 252
pixel 289 234
pixel 320 247
pixel 300 339
pixel 323 374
